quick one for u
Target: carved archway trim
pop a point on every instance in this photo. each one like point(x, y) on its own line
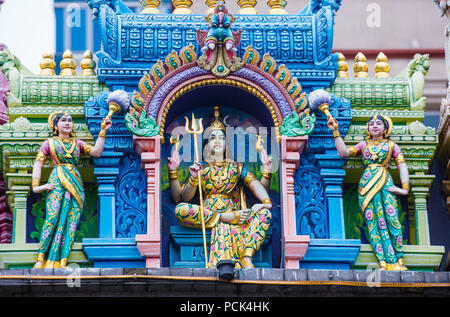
point(166, 82)
point(231, 80)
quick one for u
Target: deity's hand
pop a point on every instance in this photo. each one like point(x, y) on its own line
point(398, 190)
point(266, 160)
point(40, 189)
point(258, 207)
point(243, 215)
point(174, 161)
point(106, 124)
point(332, 124)
point(195, 168)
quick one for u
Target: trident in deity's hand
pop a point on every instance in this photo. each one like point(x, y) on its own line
point(175, 141)
point(195, 131)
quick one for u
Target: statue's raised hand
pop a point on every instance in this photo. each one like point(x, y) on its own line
point(195, 168)
point(266, 160)
point(174, 161)
point(332, 124)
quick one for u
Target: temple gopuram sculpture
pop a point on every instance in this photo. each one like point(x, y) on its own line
point(443, 154)
point(264, 184)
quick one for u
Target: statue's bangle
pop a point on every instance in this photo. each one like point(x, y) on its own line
point(405, 186)
point(193, 181)
point(267, 201)
point(173, 175)
point(102, 133)
point(266, 174)
point(336, 133)
point(35, 182)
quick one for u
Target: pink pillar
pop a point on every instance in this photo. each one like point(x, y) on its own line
point(295, 246)
point(149, 245)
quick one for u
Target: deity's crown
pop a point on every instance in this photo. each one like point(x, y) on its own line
point(52, 116)
point(217, 124)
point(388, 131)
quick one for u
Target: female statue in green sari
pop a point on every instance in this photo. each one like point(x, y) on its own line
point(65, 199)
point(376, 192)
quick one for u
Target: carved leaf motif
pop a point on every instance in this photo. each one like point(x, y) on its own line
point(309, 200)
point(21, 124)
point(295, 125)
point(131, 215)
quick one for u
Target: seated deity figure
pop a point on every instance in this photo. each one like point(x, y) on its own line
point(237, 232)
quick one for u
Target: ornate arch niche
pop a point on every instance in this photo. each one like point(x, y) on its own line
point(170, 88)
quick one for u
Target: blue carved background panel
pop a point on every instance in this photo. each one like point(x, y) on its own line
point(310, 206)
point(131, 205)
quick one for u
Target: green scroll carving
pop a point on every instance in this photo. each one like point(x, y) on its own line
point(297, 125)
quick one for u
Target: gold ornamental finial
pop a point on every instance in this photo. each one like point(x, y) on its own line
point(361, 66)
point(67, 64)
point(150, 6)
point(182, 6)
point(247, 6)
point(217, 124)
point(277, 6)
point(382, 67)
point(47, 65)
point(342, 66)
point(88, 64)
point(211, 5)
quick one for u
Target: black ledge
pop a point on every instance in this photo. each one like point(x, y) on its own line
point(191, 282)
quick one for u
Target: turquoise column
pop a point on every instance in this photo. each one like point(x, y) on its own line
point(334, 252)
point(109, 250)
point(332, 175)
point(106, 172)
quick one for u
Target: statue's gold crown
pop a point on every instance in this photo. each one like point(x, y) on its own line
point(217, 124)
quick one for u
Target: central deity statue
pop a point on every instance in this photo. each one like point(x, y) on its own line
point(237, 232)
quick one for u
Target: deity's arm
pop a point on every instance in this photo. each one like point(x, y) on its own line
point(37, 170)
point(260, 192)
point(97, 149)
point(176, 189)
point(188, 192)
point(404, 174)
point(402, 166)
point(267, 170)
point(41, 157)
point(342, 149)
point(265, 182)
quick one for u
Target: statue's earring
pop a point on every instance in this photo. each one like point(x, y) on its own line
point(367, 132)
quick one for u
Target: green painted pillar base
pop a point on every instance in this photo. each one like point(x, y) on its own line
point(416, 257)
point(23, 256)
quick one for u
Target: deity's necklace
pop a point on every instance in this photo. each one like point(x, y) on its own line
point(372, 148)
point(218, 177)
point(72, 148)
